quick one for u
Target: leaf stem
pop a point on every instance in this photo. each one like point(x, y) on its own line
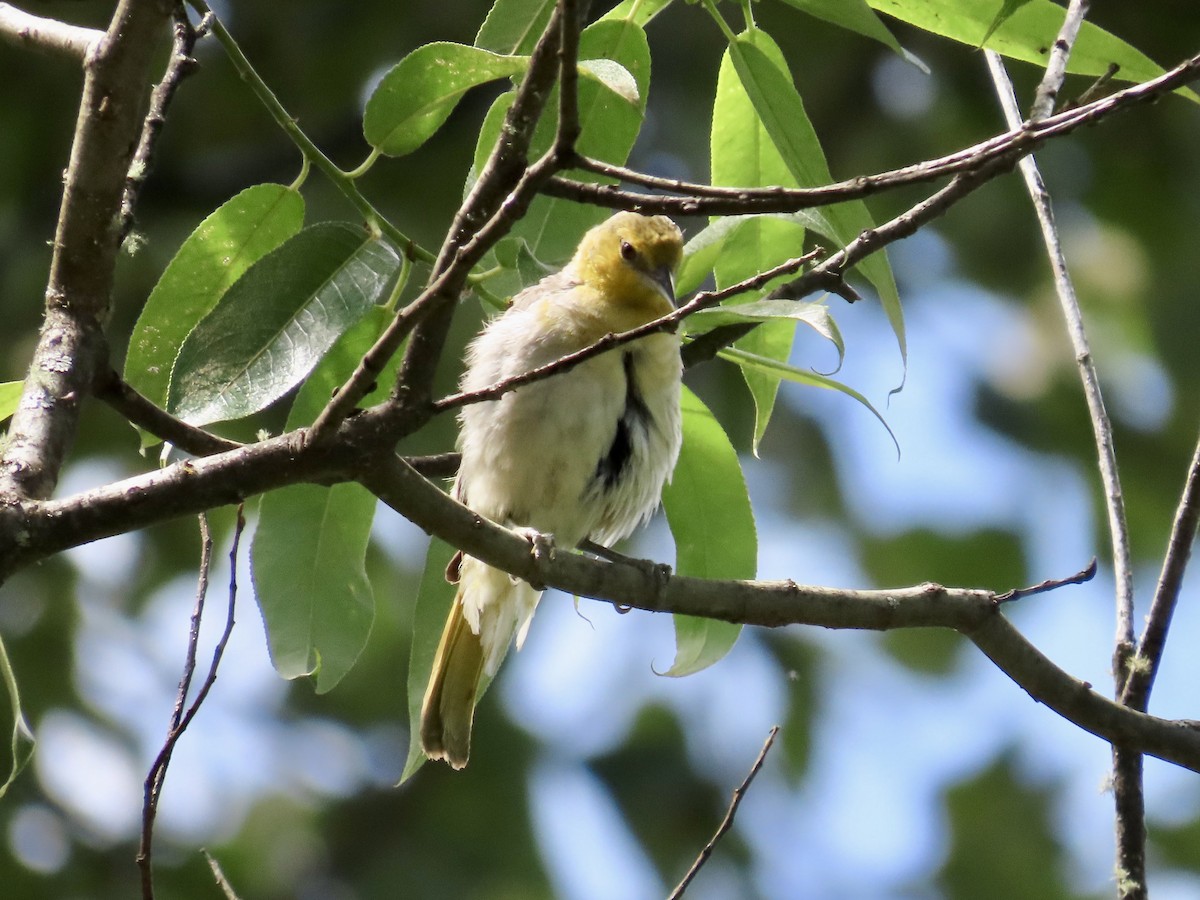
point(344, 181)
point(711, 6)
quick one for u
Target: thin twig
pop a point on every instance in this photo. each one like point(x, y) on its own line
point(702, 199)
point(1083, 576)
point(727, 822)
point(1127, 762)
point(1101, 424)
point(181, 719)
point(1144, 665)
point(47, 35)
point(179, 67)
point(1056, 69)
point(702, 300)
point(152, 787)
point(138, 410)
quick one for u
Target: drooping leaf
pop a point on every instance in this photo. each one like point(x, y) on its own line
point(856, 16)
point(434, 597)
point(10, 396)
point(309, 578)
point(814, 314)
point(1026, 34)
point(763, 73)
point(791, 373)
point(744, 155)
point(215, 255)
point(709, 512)
point(310, 545)
point(269, 331)
point(419, 93)
point(514, 26)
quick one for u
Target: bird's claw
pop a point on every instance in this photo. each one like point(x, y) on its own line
point(542, 549)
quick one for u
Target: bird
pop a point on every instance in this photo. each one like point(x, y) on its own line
point(581, 454)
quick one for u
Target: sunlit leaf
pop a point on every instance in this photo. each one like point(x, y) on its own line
point(419, 93)
point(814, 314)
point(764, 75)
point(1026, 34)
point(857, 16)
point(309, 549)
point(215, 255)
point(514, 26)
point(639, 12)
point(273, 326)
point(10, 396)
point(613, 76)
point(709, 512)
point(1009, 7)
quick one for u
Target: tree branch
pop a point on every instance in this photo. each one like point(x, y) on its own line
point(121, 396)
point(1056, 68)
point(24, 29)
point(1144, 665)
point(701, 199)
point(702, 300)
point(973, 613)
point(85, 249)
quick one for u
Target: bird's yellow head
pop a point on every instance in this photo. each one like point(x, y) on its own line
point(630, 260)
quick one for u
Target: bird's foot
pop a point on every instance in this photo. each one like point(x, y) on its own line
point(542, 549)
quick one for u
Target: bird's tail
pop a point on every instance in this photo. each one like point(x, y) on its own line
point(488, 610)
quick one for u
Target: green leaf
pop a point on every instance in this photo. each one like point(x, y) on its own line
point(744, 155)
point(709, 512)
point(514, 26)
point(434, 597)
point(419, 93)
point(763, 74)
point(10, 396)
point(274, 325)
point(701, 253)
point(1026, 34)
point(310, 581)
point(639, 12)
point(309, 550)
point(856, 16)
point(1006, 11)
point(814, 314)
point(758, 244)
point(791, 373)
point(22, 741)
point(215, 255)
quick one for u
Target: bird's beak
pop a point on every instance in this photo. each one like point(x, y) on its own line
point(665, 280)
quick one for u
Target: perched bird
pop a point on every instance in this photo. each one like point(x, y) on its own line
point(581, 454)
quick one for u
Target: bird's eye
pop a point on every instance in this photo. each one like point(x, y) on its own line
point(628, 251)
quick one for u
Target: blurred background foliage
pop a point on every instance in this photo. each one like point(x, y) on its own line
point(906, 766)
